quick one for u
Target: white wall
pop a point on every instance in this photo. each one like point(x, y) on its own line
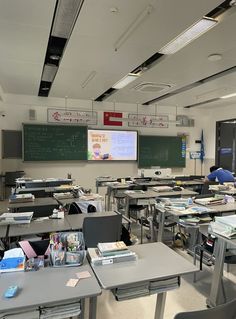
point(17, 112)
point(209, 118)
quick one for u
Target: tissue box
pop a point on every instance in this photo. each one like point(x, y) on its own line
point(12, 264)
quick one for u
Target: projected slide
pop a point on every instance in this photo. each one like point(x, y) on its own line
point(112, 145)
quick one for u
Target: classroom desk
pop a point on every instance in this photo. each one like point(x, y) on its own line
point(43, 182)
point(146, 183)
point(222, 243)
point(39, 227)
point(76, 221)
point(145, 198)
point(214, 209)
point(155, 262)
point(102, 181)
point(193, 182)
point(148, 197)
point(227, 192)
point(47, 287)
point(183, 193)
point(3, 231)
point(44, 201)
point(47, 190)
point(112, 189)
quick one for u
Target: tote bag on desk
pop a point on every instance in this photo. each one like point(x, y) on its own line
point(67, 249)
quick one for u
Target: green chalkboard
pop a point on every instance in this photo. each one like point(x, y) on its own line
point(42, 142)
point(163, 151)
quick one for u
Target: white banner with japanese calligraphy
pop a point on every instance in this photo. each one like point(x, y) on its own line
point(148, 120)
point(71, 116)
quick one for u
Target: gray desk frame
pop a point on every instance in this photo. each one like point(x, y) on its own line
point(102, 182)
point(60, 181)
point(39, 227)
point(47, 287)
point(221, 244)
point(155, 261)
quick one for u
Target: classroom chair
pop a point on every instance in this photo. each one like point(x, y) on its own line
point(10, 180)
point(101, 229)
point(225, 311)
point(205, 188)
point(207, 247)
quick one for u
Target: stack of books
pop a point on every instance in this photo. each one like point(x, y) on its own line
point(210, 201)
point(16, 218)
point(162, 188)
point(224, 226)
point(63, 195)
point(109, 253)
point(21, 198)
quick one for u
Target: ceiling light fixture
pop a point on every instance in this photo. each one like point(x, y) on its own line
point(214, 57)
point(54, 57)
point(49, 72)
point(65, 18)
point(125, 81)
point(188, 35)
point(228, 96)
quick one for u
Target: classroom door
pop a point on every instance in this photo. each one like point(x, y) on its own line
point(226, 145)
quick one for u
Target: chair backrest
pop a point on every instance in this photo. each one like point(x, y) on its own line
point(101, 229)
point(138, 187)
point(225, 311)
point(205, 188)
point(74, 209)
point(10, 177)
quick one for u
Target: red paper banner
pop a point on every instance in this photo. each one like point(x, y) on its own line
point(107, 121)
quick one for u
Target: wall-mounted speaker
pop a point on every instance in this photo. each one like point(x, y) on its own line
point(32, 114)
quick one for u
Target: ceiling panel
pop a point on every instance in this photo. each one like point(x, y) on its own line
point(92, 44)
point(23, 77)
point(24, 31)
point(189, 64)
point(25, 27)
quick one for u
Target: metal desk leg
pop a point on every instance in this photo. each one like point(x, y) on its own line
point(215, 297)
point(127, 207)
point(109, 198)
point(161, 219)
point(160, 305)
point(92, 307)
point(82, 305)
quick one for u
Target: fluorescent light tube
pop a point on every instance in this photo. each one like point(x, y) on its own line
point(188, 35)
point(228, 96)
point(125, 81)
point(49, 72)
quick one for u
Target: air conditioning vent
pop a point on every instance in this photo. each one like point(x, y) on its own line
point(151, 87)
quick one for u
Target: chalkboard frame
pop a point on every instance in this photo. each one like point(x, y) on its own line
point(18, 151)
point(52, 125)
point(183, 150)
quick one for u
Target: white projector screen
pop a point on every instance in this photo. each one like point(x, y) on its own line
point(112, 145)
